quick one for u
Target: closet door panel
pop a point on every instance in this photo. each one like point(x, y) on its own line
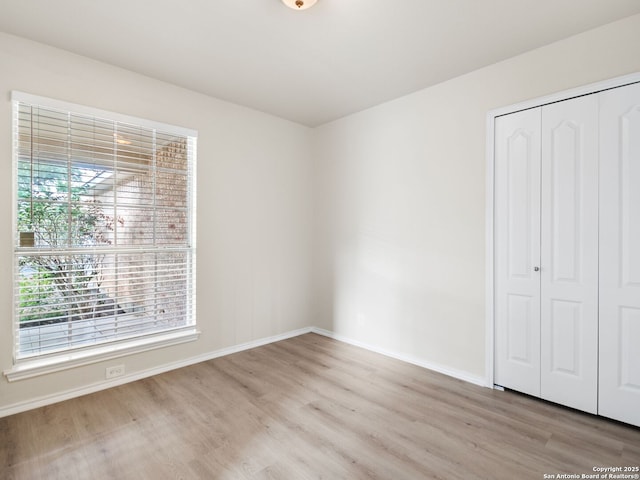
point(619, 392)
point(569, 253)
point(517, 254)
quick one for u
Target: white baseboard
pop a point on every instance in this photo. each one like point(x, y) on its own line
point(103, 385)
point(451, 372)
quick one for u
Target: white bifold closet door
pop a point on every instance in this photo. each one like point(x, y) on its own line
point(620, 254)
point(546, 252)
point(517, 251)
point(569, 254)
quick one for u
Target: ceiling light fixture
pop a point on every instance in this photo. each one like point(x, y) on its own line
point(299, 4)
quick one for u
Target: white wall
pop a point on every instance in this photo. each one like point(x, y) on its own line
point(253, 207)
point(400, 262)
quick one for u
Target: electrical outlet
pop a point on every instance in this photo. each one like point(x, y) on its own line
point(115, 371)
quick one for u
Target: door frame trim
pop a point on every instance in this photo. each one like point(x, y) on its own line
point(490, 195)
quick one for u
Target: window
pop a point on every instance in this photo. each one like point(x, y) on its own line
point(104, 229)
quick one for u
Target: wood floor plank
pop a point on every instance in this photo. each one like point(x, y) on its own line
point(308, 408)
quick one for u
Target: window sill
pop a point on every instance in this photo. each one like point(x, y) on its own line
point(30, 368)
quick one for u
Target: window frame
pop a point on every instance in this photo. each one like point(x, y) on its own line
point(44, 363)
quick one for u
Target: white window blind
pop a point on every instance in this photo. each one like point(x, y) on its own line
point(104, 228)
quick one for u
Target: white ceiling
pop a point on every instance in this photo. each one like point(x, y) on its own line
point(313, 66)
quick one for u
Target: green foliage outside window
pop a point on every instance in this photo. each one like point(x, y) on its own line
point(56, 202)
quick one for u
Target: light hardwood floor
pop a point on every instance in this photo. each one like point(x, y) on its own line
point(304, 408)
